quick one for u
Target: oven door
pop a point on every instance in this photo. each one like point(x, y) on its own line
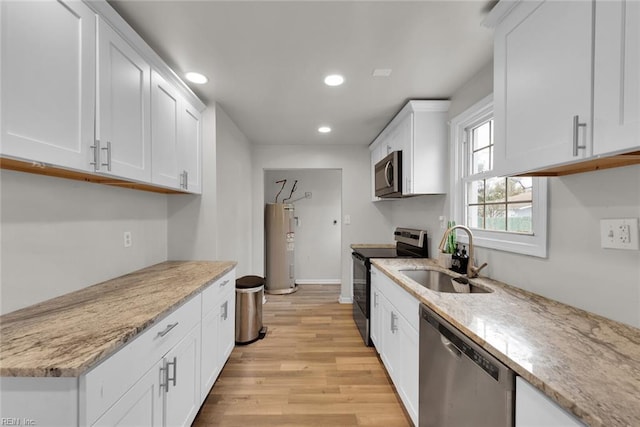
point(361, 295)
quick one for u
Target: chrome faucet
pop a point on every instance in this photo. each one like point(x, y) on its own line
point(472, 271)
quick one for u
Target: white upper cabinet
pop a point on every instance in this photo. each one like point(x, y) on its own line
point(165, 113)
point(190, 148)
point(48, 81)
point(419, 130)
point(566, 85)
point(176, 138)
point(542, 85)
point(123, 143)
point(77, 93)
point(617, 77)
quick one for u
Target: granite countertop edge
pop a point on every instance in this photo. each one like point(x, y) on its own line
point(552, 345)
point(20, 335)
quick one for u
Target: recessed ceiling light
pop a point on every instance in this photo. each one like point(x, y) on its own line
point(334, 80)
point(324, 129)
point(381, 72)
point(196, 78)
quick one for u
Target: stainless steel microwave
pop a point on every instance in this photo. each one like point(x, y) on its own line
point(388, 175)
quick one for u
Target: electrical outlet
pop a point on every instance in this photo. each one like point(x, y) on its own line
point(127, 239)
point(619, 233)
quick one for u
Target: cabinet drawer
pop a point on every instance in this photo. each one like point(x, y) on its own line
point(108, 381)
point(219, 288)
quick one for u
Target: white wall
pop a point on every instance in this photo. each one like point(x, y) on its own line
point(234, 202)
point(60, 235)
point(577, 271)
point(192, 219)
point(368, 223)
point(317, 239)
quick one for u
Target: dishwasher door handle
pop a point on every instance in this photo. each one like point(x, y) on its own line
point(450, 346)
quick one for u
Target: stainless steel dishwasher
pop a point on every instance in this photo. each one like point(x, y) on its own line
point(461, 384)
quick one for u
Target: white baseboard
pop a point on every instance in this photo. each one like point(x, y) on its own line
point(345, 300)
point(318, 282)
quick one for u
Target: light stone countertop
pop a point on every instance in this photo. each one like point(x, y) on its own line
point(586, 363)
point(68, 335)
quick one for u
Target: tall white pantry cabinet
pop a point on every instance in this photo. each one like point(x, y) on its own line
point(76, 86)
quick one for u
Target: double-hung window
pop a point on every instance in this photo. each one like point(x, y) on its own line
point(505, 213)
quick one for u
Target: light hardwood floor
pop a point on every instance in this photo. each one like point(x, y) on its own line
point(312, 369)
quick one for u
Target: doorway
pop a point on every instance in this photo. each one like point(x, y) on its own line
point(317, 199)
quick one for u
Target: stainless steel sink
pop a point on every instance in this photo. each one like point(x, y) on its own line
point(442, 282)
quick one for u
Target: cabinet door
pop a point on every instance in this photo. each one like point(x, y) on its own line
point(190, 148)
point(210, 365)
point(182, 398)
point(375, 318)
point(48, 81)
point(542, 81)
point(391, 350)
point(123, 116)
point(408, 384)
point(141, 405)
point(226, 328)
point(616, 126)
point(534, 409)
point(165, 110)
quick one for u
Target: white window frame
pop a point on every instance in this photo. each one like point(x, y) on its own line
point(528, 244)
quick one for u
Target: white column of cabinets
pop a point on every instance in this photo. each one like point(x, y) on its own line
point(394, 331)
point(48, 69)
point(549, 77)
point(60, 109)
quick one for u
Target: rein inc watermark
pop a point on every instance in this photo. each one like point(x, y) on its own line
point(8, 421)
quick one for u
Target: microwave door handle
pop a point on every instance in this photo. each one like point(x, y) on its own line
point(386, 173)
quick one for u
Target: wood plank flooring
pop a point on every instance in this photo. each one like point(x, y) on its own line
point(312, 369)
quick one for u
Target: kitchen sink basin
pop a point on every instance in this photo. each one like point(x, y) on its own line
point(442, 282)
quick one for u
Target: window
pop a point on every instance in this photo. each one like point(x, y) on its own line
point(505, 213)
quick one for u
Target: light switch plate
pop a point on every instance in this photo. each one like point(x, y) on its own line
point(621, 233)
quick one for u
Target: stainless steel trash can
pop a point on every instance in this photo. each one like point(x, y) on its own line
point(249, 294)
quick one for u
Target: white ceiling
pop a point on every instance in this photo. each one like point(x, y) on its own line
point(266, 60)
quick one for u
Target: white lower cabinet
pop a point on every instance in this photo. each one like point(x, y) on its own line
point(218, 329)
point(167, 395)
point(182, 381)
point(394, 324)
point(141, 405)
point(159, 378)
point(534, 409)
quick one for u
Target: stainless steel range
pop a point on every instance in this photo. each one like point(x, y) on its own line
point(410, 243)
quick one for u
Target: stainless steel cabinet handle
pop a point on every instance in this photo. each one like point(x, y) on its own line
point(576, 131)
point(96, 155)
point(108, 150)
point(375, 299)
point(394, 327)
point(223, 284)
point(186, 180)
point(167, 329)
point(175, 372)
point(224, 310)
point(164, 378)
